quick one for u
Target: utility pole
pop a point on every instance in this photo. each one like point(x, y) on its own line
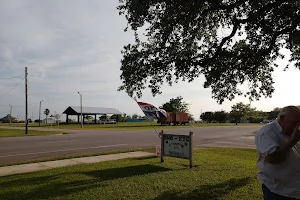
point(40, 113)
point(26, 102)
point(81, 109)
point(10, 115)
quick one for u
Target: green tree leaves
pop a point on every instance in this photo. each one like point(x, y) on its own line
point(176, 105)
point(207, 117)
point(182, 42)
point(241, 112)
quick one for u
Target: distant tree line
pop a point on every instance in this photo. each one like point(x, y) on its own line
point(239, 113)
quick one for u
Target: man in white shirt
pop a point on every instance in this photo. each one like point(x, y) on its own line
point(278, 156)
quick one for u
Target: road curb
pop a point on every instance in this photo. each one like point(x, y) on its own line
point(33, 167)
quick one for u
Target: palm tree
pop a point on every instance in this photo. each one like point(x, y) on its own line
point(89, 118)
point(47, 112)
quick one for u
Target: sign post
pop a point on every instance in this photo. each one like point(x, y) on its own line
point(57, 117)
point(162, 146)
point(179, 146)
point(52, 117)
point(191, 148)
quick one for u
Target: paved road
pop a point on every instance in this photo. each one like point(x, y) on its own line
point(20, 149)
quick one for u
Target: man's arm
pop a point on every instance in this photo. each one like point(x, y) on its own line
point(279, 154)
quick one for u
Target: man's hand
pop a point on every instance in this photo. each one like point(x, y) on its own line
point(295, 137)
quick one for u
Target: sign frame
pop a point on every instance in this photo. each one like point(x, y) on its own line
point(162, 146)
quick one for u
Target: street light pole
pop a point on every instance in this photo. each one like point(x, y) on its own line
point(40, 113)
point(81, 109)
point(10, 115)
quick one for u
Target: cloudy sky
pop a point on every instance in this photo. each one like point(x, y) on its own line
point(74, 45)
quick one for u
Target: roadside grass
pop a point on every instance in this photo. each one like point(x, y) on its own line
point(127, 126)
point(17, 132)
point(149, 149)
point(219, 173)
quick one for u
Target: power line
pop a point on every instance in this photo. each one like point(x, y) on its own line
point(28, 104)
point(9, 78)
point(33, 103)
point(11, 89)
point(20, 105)
point(78, 65)
point(12, 78)
point(5, 86)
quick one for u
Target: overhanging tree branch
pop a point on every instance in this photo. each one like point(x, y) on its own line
point(183, 43)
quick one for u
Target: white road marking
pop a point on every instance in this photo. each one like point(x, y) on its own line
point(63, 150)
point(229, 146)
point(226, 142)
point(150, 144)
point(222, 143)
point(249, 137)
point(58, 142)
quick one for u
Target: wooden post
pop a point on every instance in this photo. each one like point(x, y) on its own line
point(162, 146)
point(40, 113)
point(26, 101)
point(10, 115)
point(191, 149)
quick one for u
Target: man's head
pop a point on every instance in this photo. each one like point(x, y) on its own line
point(289, 118)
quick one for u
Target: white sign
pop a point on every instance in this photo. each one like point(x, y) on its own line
point(177, 146)
point(57, 116)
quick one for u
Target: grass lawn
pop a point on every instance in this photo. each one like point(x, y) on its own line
point(15, 132)
point(127, 126)
point(220, 173)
